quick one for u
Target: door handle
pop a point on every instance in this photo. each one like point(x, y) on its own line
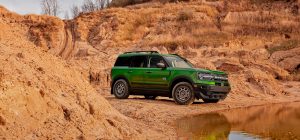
point(148, 72)
point(130, 71)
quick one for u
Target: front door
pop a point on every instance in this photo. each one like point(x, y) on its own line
point(156, 78)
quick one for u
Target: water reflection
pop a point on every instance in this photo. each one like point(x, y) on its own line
point(280, 121)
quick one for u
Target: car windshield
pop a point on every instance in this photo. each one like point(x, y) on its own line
point(177, 62)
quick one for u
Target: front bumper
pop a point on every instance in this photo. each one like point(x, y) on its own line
point(211, 92)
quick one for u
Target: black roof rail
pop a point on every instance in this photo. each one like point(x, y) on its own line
point(142, 52)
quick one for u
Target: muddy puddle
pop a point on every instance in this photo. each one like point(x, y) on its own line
point(279, 121)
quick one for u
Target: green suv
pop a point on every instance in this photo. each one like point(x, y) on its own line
point(152, 74)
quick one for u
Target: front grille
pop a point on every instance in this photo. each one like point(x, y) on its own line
point(220, 78)
point(221, 84)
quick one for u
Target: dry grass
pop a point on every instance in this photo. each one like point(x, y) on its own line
point(196, 24)
point(258, 2)
point(209, 10)
point(261, 23)
point(174, 41)
point(285, 45)
point(190, 40)
point(136, 29)
point(185, 15)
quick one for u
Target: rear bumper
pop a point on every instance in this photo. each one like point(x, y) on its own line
point(212, 92)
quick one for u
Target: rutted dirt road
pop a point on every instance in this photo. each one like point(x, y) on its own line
point(161, 114)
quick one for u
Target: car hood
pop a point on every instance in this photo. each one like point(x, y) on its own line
point(209, 71)
point(202, 70)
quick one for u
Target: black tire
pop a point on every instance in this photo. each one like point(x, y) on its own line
point(150, 97)
point(183, 93)
point(211, 100)
point(121, 89)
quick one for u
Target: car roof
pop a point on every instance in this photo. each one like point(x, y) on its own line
point(143, 54)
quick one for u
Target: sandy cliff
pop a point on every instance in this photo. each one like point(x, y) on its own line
point(44, 97)
point(256, 42)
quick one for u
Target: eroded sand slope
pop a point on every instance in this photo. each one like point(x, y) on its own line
point(44, 97)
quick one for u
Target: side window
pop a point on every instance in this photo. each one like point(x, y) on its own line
point(139, 62)
point(123, 61)
point(154, 60)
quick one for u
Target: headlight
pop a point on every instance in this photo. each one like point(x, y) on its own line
point(221, 77)
point(205, 76)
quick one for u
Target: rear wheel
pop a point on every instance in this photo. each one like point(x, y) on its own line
point(121, 89)
point(183, 93)
point(150, 97)
point(211, 100)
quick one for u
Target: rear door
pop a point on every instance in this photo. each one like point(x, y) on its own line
point(156, 78)
point(137, 71)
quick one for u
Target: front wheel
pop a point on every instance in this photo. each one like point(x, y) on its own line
point(183, 93)
point(121, 89)
point(211, 100)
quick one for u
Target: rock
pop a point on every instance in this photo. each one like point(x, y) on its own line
point(229, 67)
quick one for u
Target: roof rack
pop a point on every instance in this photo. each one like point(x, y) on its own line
point(142, 52)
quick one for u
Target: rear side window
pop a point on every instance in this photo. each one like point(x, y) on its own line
point(123, 61)
point(139, 62)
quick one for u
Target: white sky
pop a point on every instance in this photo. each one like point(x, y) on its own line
point(34, 6)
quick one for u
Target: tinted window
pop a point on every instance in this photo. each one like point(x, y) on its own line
point(154, 60)
point(139, 62)
point(123, 61)
point(177, 62)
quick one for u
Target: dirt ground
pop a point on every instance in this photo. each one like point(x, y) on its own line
point(161, 114)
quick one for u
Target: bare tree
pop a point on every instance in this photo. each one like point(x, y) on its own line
point(75, 11)
point(107, 3)
point(50, 7)
point(100, 4)
point(88, 6)
point(67, 15)
point(93, 5)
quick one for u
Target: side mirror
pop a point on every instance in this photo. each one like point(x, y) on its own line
point(161, 65)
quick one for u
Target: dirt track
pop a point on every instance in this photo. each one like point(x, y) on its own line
point(160, 114)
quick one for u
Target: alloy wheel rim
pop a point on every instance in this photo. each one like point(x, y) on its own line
point(183, 93)
point(120, 88)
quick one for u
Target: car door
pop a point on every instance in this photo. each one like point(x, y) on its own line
point(137, 71)
point(156, 78)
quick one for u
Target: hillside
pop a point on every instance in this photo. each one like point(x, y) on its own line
point(43, 97)
point(53, 70)
point(251, 40)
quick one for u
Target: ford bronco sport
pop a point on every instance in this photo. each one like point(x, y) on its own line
point(152, 74)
